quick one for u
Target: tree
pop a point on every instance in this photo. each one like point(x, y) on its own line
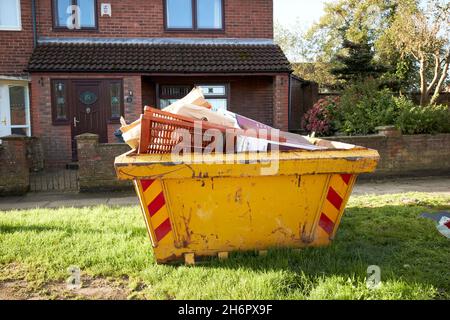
point(357, 63)
point(424, 35)
point(301, 53)
point(358, 25)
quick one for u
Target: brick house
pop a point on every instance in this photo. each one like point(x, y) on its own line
point(73, 66)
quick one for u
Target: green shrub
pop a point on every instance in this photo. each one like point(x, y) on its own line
point(413, 119)
point(364, 107)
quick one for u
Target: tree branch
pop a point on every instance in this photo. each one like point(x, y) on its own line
point(437, 91)
point(437, 69)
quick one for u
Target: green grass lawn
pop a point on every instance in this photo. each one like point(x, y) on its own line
point(111, 245)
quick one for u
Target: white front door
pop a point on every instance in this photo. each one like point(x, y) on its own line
point(14, 109)
point(5, 114)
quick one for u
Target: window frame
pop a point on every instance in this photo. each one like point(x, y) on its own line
point(194, 28)
point(55, 120)
point(109, 118)
point(227, 95)
point(19, 20)
point(27, 125)
point(58, 28)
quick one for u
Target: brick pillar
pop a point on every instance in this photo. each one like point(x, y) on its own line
point(14, 169)
point(281, 102)
point(87, 156)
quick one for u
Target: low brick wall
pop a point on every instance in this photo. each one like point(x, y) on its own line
point(14, 168)
point(96, 164)
point(407, 155)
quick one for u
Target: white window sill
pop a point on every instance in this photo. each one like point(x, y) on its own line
point(3, 28)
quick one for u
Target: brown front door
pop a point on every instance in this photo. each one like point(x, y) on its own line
point(88, 110)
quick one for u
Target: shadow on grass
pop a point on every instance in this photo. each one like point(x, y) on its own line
point(405, 246)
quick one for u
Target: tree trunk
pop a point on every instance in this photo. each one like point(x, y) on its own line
point(437, 90)
point(423, 84)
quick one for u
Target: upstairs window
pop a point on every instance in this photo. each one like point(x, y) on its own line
point(199, 15)
point(75, 14)
point(10, 15)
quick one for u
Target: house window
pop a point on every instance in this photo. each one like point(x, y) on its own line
point(115, 100)
point(10, 15)
point(209, 14)
point(179, 14)
point(75, 14)
point(60, 110)
point(194, 14)
point(171, 94)
point(217, 95)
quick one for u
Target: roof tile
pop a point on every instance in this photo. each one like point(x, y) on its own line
point(186, 58)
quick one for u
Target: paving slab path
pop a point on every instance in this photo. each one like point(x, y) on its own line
point(57, 200)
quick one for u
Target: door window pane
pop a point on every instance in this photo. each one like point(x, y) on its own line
point(114, 92)
point(209, 14)
point(17, 102)
point(9, 14)
point(179, 14)
point(60, 101)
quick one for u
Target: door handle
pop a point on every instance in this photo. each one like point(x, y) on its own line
point(75, 121)
point(4, 121)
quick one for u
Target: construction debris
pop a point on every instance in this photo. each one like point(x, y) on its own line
point(158, 131)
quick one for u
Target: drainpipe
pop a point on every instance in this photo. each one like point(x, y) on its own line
point(289, 102)
point(33, 15)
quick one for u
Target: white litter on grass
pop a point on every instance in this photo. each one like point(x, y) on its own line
point(444, 227)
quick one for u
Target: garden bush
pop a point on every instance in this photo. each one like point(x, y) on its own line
point(321, 117)
point(413, 119)
point(364, 107)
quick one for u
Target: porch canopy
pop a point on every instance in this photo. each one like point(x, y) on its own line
point(169, 56)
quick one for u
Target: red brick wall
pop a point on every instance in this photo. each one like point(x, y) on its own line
point(56, 139)
point(250, 96)
point(96, 164)
point(16, 46)
point(281, 102)
point(406, 155)
point(253, 97)
point(144, 18)
point(14, 171)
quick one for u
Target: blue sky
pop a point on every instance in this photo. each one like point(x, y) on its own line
point(286, 12)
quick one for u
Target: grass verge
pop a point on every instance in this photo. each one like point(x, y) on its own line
point(110, 246)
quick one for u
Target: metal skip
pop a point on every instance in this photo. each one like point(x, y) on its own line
point(203, 208)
